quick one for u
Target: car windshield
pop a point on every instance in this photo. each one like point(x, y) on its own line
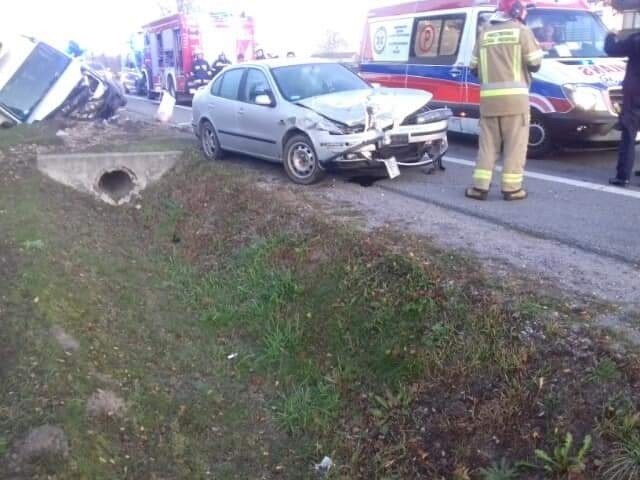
point(298, 82)
point(32, 81)
point(568, 34)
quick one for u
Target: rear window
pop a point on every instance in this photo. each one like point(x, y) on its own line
point(31, 82)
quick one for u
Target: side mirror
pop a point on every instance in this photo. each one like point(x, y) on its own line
point(264, 100)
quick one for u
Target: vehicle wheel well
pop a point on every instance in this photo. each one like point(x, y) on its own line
point(290, 134)
point(201, 122)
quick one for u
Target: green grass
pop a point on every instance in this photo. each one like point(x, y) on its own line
point(38, 134)
point(248, 339)
point(604, 371)
point(500, 471)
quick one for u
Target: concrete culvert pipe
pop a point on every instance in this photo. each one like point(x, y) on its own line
point(117, 184)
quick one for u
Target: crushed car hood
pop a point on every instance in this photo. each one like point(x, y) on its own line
point(389, 105)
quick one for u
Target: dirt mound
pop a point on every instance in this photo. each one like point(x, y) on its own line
point(46, 443)
point(105, 403)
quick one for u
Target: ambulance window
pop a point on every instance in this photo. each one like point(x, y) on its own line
point(436, 40)
point(483, 19)
point(450, 38)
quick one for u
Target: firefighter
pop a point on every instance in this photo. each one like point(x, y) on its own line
point(200, 68)
point(630, 115)
point(505, 55)
point(221, 62)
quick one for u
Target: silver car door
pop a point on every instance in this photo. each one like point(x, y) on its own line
point(258, 119)
point(223, 109)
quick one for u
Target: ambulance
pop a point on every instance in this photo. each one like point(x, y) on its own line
point(575, 97)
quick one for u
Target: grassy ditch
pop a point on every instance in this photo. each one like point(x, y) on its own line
point(250, 335)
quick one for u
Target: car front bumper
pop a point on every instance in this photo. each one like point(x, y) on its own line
point(408, 145)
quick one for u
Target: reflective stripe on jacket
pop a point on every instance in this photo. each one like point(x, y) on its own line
point(503, 55)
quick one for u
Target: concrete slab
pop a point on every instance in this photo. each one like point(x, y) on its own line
point(84, 171)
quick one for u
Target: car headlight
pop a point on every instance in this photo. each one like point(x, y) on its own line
point(587, 98)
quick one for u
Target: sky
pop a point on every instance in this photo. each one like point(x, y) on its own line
point(103, 27)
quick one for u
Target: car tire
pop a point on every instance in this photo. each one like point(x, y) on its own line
point(540, 143)
point(209, 142)
point(301, 162)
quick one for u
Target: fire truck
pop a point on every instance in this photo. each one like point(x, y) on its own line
point(170, 44)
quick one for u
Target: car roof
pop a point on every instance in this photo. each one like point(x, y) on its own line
point(282, 62)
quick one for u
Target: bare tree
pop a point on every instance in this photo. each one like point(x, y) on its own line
point(333, 42)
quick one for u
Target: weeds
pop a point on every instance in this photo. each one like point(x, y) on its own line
point(281, 338)
point(500, 471)
point(623, 463)
point(391, 408)
point(562, 460)
point(309, 408)
point(604, 371)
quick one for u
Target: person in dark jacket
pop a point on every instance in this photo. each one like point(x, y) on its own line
point(221, 62)
point(630, 115)
point(200, 67)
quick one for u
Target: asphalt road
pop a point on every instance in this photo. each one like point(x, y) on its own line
point(569, 204)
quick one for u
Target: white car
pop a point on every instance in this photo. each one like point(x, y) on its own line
point(314, 116)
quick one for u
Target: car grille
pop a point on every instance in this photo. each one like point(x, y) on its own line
point(615, 97)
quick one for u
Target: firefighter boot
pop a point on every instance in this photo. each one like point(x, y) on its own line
point(517, 195)
point(476, 193)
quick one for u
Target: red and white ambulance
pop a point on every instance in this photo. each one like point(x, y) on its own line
point(575, 97)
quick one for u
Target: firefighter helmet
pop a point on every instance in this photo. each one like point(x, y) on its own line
point(513, 8)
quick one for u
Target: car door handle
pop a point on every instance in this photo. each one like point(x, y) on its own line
point(241, 111)
point(455, 73)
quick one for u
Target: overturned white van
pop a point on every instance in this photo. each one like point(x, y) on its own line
point(38, 81)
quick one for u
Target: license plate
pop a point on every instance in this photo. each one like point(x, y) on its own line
point(392, 167)
point(399, 140)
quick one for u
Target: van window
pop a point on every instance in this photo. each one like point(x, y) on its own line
point(568, 33)
point(436, 40)
point(32, 81)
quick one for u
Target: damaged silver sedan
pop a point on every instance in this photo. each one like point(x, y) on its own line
point(38, 82)
point(315, 117)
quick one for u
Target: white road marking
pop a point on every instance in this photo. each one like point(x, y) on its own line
point(561, 180)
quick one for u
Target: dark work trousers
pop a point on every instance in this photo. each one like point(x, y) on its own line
point(627, 153)
point(629, 121)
